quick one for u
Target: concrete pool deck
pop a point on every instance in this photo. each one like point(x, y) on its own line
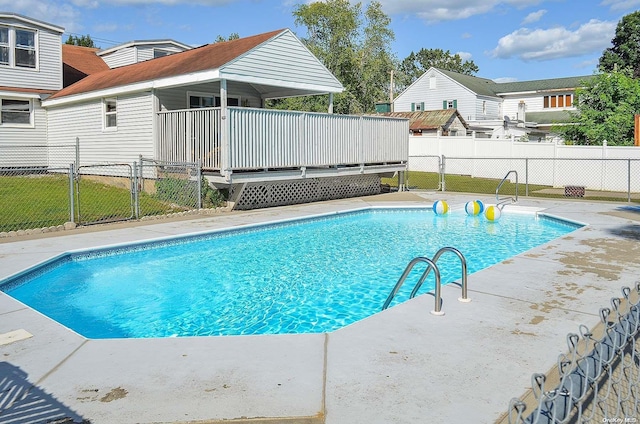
point(404, 365)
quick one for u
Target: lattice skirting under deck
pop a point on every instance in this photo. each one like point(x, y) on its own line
point(279, 193)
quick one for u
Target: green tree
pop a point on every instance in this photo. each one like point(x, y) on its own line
point(83, 40)
point(625, 52)
point(605, 109)
point(416, 64)
point(354, 45)
point(232, 36)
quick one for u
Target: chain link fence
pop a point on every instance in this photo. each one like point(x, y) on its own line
point(596, 179)
point(597, 380)
point(47, 195)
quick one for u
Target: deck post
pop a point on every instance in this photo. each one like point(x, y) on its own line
point(330, 103)
point(225, 156)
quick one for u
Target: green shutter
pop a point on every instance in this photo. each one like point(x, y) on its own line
point(413, 107)
point(455, 104)
point(444, 104)
point(422, 106)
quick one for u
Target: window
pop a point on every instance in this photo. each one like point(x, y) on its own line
point(15, 112)
point(417, 107)
point(18, 48)
point(558, 101)
point(160, 53)
point(449, 104)
point(4, 46)
point(110, 113)
point(197, 100)
point(25, 48)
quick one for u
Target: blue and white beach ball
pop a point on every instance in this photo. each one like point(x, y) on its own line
point(440, 207)
point(492, 213)
point(473, 208)
point(481, 205)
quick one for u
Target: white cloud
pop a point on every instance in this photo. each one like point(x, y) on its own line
point(53, 12)
point(505, 79)
point(447, 10)
point(534, 17)
point(621, 4)
point(556, 43)
point(464, 55)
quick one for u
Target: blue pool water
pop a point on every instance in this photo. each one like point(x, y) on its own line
point(304, 276)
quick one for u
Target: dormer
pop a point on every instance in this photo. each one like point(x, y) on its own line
point(30, 53)
point(140, 51)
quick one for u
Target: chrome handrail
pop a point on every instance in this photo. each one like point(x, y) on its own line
point(500, 202)
point(435, 258)
point(405, 274)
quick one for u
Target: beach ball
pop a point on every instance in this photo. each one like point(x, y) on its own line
point(472, 208)
point(481, 205)
point(492, 213)
point(440, 207)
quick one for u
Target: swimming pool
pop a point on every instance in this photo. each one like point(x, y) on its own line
point(300, 276)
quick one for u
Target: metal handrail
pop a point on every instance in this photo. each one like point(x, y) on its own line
point(435, 258)
point(500, 202)
point(405, 274)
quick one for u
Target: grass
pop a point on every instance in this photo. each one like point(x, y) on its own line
point(37, 201)
point(467, 184)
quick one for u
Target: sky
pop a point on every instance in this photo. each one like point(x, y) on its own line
point(509, 40)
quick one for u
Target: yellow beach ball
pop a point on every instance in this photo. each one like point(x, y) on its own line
point(472, 208)
point(492, 213)
point(440, 207)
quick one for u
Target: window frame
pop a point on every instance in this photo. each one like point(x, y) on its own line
point(12, 47)
point(30, 124)
point(558, 101)
point(217, 102)
point(106, 114)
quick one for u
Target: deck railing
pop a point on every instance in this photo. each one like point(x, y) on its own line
point(268, 139)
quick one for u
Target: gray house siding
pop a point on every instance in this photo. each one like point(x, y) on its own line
point(146, 52)
point(275, 61)
point(176, 98)
point(48, 72)
point(22, 141)
point(122, 57)
point(133, 136)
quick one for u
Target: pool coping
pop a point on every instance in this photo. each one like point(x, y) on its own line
point(403, 365)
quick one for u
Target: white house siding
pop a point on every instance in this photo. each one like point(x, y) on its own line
point(446, 89)
point(122, 57)
point(48, 73)
point(488, 108)
point(176, 98)
point(146, 52)
point(134, 135)
point(25, 146)
point(282, 59)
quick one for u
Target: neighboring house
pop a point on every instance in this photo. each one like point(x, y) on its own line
point(202, 104)
point(497, 110)
point(139, 51)
point(30, 71)
point(445, 122)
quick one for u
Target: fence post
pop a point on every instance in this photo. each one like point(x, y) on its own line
point(77, 166)
point(526, 177)
point(628, 180)
point(134, 189)
point(71, 200)
point(442, 171)
point(199, 172)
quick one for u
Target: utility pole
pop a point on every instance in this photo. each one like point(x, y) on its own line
point(391, 92)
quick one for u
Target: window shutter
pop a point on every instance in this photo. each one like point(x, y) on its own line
point(444, 104)
point(455, 104)
point(413, 107)
point(422, 106)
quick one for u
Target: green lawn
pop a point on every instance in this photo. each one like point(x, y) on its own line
point(37, 201)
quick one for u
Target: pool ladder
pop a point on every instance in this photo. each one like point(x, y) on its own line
point(501, 202)
point(432, 267)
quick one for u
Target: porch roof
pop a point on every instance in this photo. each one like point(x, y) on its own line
point(212, 62)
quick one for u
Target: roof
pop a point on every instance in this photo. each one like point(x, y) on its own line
point(143, 43)
point(83, 59)
point(550, 117)
point(487, 87)
point(26, 90)
point(207, 57)
point(429, 119)
point(42, 24)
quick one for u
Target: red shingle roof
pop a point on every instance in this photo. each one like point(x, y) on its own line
point(83, 59)
point(210, 56)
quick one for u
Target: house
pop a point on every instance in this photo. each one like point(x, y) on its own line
point(206, 105)
point(30, 71)
point(498, 110)
point(446, 122)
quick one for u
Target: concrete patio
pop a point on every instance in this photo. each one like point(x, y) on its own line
point(403, 365)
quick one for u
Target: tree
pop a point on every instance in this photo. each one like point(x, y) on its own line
point(625, 52)
point(354, 46)
point(416, 64)
point(605, 109)
point(83, 40)
point(232, 36)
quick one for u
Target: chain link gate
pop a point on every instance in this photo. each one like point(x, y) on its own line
point(424, 173)
point(104, 193)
